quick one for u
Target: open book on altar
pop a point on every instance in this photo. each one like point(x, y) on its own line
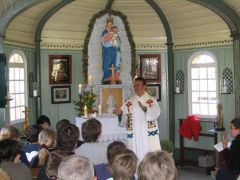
point(219, 146)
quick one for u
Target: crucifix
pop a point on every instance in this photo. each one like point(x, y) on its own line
point(26, 124)
point(113, 81)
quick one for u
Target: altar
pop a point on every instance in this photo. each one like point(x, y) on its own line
point(111, 130)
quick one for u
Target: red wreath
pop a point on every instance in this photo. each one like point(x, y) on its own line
point(149, 102)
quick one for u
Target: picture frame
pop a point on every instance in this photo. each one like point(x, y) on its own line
point(154, 90)
point(61, 94)
point(150, 67)
point(60, 69)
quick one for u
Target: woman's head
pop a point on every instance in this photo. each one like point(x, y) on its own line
point(157, 164)
point(235, 127)
point(9, 132)
point(9, 150)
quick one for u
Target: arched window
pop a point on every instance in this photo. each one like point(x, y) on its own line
point(17, 86)
point(202, 86)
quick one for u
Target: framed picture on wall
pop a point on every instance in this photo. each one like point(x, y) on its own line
point(61, 94)
point(60, 69)
point(154, 90)
point(150, 67)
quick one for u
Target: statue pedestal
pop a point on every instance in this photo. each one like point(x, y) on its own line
point(120, 93)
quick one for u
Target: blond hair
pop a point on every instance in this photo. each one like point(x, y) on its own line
point(123, 165)
point(9, 132)
point(4, 175)
point(47, 140)
point(157, 165)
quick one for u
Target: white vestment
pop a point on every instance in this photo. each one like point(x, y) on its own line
point(142, 127)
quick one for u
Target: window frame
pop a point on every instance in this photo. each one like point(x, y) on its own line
point(22, 54)
point(189, 68)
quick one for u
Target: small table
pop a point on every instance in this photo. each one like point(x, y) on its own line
point(111, 130)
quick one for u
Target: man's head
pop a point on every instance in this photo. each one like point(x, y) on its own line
point(43, 121)
point(139, 86)
point(235, 127)
point(76, 167)
point(67, 137)
point(157, 164)
point(113, 148)
point(91, 130)
point(123, 165)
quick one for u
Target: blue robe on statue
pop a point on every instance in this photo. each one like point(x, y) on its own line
point(109, 56)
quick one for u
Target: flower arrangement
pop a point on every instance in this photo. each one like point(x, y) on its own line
point(88, 99)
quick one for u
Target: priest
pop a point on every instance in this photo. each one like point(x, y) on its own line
point(142, 112)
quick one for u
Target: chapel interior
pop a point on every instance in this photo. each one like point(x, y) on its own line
point(193, 45)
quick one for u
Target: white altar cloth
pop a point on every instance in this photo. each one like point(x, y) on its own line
point(111, 131)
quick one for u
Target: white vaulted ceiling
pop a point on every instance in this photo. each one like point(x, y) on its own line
point(190, 23)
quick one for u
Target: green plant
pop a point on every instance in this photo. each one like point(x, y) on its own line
point(167, 145)
point(87, 98)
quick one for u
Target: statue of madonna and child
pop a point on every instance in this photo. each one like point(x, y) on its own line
point(111, 54)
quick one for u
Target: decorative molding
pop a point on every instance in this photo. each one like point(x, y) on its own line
point(61, 46)
point(19, 43)
point(151, 46)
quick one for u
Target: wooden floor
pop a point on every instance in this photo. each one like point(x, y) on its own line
point(193, 173)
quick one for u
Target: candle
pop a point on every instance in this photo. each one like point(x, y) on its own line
point(99, 110)
point(85, 111)
point(90, 80)
point(80, 88)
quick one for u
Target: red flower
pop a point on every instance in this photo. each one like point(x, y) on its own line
point(149, 102)
point(129, 104)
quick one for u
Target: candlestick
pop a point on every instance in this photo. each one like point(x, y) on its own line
point(80, 88)
point(90, 80)
point(99, 110)
point(85, 111)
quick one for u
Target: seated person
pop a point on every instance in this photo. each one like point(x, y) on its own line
point(10, 132)
point(232, 154)
point(67, 138)
point(76, 167)
point(102, 170)
point(33, 147)
point(123, 165)
point(47, 142)
point(10, 152)
point(43, 122)
point(92, 149)
point(157, 165)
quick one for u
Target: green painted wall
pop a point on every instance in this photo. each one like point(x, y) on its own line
point(30, 56)
point(57, 112)
point(224, 57)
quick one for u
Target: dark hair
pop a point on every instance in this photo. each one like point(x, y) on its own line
point(236, 123)
point(9, 149)
point(91, 129)
point(113, 148)
point(32, 133)
point(62, 123)
point(42, 119)
point(67, 137)
point(141, 79)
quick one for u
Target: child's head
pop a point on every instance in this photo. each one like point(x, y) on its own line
point(157, 164)
point(114, 29)
point(235, 127)
point(91, 130)
point(9, 150)
point(123, 165)
point(43, 121)
point(113, 148)
point(9, 132)
point(32, 134)
point(62, 123)
point(47, 138)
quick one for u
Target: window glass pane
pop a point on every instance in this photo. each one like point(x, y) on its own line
point(212, 85)
point(11, 87)
point(17, 89)
point(211, 73)
point(21, 73)
point(203, 97)
point(195, 96)
point(212, 109)
point(195, 73)
point(195, 85)
point(22, 99)
point(12, 114)
point(11, 73)
point(203, 85)
point(12, 102)
point(195, 109)
point(16, 74)
point(204, 109)
point(18, 112)
point(212, 97)
point(21, 86)
point(17, 99)
point(203, 73)
point(203, 59)
point(22, 113)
